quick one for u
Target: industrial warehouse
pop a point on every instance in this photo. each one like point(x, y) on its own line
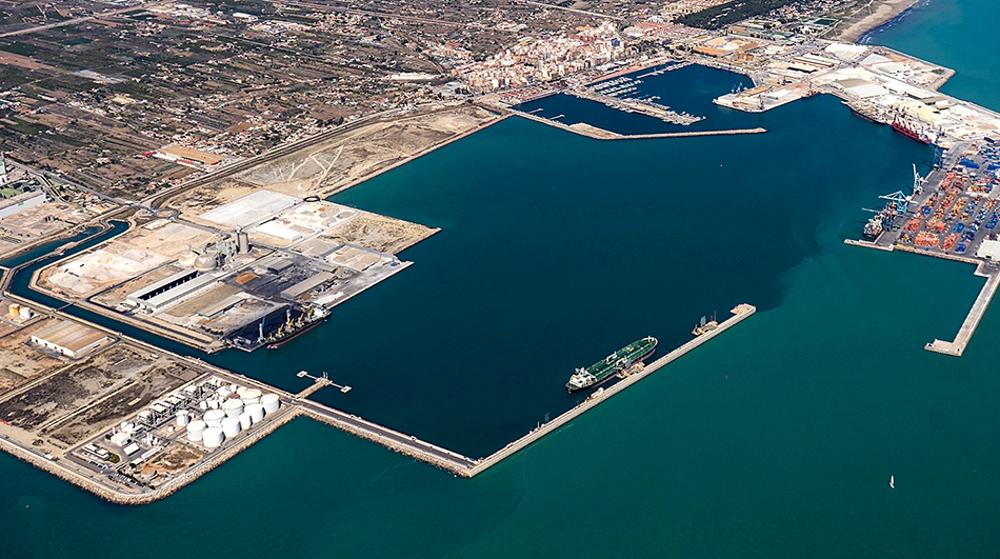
point(70, 339)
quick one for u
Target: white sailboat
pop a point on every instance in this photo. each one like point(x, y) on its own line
point(892, 482)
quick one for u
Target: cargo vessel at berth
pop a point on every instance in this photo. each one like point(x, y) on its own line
point(873, 228)
point(605, 369)
point(910, 133)
point(292, 329)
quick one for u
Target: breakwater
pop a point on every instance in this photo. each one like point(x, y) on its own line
point(596, 133)
point(740, 313)
point(957, 346)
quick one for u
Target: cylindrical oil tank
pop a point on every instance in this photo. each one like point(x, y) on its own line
point(251, 396)
point(213, 403)
point(182, 418)
point(245, 421)
point(231, 426)
point(196, 430)
point(270, 402)
point(24, 313)
point(224, 393)
point(213, 437)
point(233, 408)
point(13, 310)
point(256, 412)
point(213, 418)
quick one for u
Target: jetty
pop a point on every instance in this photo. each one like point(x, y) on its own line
point(739, 314)
point(957, 346)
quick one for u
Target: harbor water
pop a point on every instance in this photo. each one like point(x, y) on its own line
point(776, 439)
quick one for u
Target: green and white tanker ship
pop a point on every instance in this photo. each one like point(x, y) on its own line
point(606, 369)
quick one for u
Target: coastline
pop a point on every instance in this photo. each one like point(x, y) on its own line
point(876, 16)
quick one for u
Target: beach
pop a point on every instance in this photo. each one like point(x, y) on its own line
point(870, 17)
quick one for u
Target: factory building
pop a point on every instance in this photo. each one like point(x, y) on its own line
point(306, 285)
point(158, 296)
point(21, 202)
point(70, 339)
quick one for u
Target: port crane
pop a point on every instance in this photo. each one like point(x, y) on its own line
point(901, 200)
point(918, 181)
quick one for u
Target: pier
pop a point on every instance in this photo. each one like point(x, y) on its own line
point(956, 347)
point(664, 70)
point(319, 382)
point(740, 313)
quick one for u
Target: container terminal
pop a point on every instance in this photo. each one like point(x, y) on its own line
point(951, 213)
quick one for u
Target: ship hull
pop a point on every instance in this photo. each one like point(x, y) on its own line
point(279, 343)
point(902, 130)
point(864, 116)
point(610, 372)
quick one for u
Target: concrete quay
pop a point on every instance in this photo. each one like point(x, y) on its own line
point(389, 438)
point(868, 244)
point(956, 347)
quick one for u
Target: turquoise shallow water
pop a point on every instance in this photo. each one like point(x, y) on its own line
point(775, 440)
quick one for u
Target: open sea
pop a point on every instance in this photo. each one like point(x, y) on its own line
point(776, 439)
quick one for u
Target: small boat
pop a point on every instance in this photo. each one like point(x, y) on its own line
point(892, 482)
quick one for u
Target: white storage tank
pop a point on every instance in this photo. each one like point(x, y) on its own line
point(213, 437)
point(213, 403)
point(213, 418)
point(196, 430)
point(231, 426)
point(251, 396)
point(245, 421)
point(232, 408)
point(187, 258)
point(183, 418)
point(256, 412)
point(224, 393)
point(203, 405)
point(270, 402)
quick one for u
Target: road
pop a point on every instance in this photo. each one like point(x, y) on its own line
point(583, 12)
point(76, 21)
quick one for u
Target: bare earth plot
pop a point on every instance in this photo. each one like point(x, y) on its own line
point(133, 253)
point(340, 162)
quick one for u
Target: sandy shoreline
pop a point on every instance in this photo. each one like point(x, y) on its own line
point(876, 13)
